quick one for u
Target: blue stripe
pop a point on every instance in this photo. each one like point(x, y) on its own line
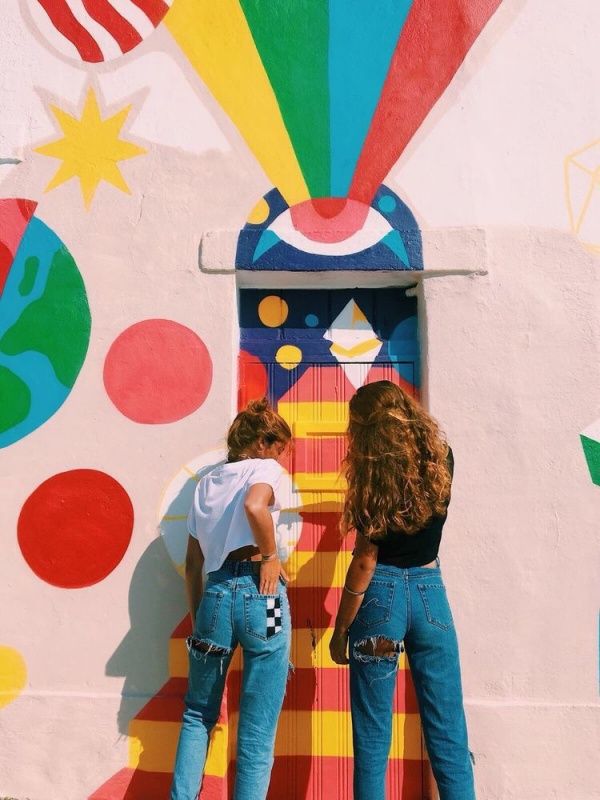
point(362, 40)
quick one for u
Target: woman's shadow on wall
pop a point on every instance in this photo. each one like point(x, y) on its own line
point(150, 695)
point(156, 606)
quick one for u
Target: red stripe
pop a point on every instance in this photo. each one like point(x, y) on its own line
point(153, 9)
point(434, 41)
point(63, 20)
point(130, 784)
point(301, 777)
point(318, 454)
point(6, 260)
point(167, 703)
point(320, 532)
point(119, 28)
point(313, 606)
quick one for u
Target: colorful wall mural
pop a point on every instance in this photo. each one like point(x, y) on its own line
point(324, 138)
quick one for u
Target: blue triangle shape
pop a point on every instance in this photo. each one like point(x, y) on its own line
point(393, 240)
point(267, 240)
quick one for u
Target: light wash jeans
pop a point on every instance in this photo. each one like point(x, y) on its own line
point(410, 606)
point(232, 612)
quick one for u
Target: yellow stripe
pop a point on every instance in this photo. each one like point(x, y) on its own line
point(310, 648)
point(329, 733)
point(152, 747)
point(357, 350)
point(322, 501)
point(307, 411)
point(319, 482)
point(312, 570)
point(314, 429)
point(218, 44)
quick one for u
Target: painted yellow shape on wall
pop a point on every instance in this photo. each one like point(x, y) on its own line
point(312, 570)
point(152, 747)
point(306, 411)
point(13, 674)
point(319, 481)
point(217, 42)
point(90, 148)
point(582, 194)
point(329, 733)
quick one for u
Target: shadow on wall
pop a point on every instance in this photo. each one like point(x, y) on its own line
point(156, 605)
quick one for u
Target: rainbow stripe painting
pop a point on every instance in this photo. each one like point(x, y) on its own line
point(327, 94)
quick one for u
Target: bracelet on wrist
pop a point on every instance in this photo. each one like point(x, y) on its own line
point(353, 593)
point(269, 557)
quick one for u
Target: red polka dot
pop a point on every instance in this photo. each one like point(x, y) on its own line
point(253, 379)
point(157, 371)
point(75, 527)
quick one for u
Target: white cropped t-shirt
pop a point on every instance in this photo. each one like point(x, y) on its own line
point(217, 517)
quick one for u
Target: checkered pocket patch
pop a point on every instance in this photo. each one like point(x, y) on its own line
point(273, 616)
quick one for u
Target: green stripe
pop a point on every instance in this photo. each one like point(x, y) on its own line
point(292, 39)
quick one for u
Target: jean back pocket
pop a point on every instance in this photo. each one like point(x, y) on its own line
point(435, 601)
point(263, 615)
point(207, 616)
point(376, 608)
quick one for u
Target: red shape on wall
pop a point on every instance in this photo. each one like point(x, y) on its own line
point(15, 214)
point(435, 39)
point(157, 371)
point(253, 379)
point(74, 529)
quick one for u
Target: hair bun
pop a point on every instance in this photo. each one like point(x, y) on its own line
point(258, 406)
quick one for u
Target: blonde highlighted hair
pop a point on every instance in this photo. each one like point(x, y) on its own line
point(257, 422)
point(396, 465)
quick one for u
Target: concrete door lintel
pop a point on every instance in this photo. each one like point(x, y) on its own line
point(458, 252)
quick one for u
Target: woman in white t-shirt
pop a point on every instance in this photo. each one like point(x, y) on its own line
point(232, 537)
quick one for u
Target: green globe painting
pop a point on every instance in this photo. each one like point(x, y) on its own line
point(44, 321)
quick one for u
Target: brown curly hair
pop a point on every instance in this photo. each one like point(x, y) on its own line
point(396, 466)
point(257, 421)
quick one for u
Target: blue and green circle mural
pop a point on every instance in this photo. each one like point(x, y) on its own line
point(44, 321)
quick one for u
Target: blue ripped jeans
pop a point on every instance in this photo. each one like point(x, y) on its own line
point(232, 612)
point(410, 606)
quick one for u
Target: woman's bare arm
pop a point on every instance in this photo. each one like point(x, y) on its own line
point(256, 505)
point(194, 561)
point(358, 578)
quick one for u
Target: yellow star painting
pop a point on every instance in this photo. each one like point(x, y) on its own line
point(90, 148)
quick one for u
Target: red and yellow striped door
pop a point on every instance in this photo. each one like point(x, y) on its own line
point(310, 351)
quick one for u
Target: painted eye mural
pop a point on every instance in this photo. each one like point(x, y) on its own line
point(44, 321)
point(337, 92)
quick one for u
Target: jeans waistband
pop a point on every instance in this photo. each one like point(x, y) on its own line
point(408, 572)
point(231, 569)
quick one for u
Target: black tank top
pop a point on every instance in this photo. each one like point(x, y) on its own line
point(415, 549)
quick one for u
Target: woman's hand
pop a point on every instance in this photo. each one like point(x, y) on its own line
point(269, 576)
point(338, 646)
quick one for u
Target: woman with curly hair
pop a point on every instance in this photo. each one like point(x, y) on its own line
point(399, 472)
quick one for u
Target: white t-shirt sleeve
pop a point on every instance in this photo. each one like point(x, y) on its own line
point(268, 471)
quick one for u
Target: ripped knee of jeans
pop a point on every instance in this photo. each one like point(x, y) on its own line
point(377, 648)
